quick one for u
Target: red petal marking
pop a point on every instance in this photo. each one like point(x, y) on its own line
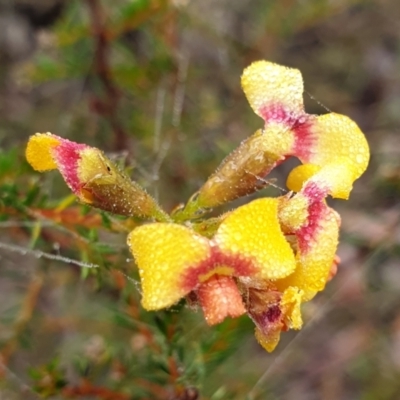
point(241, 266)
point(220, 298)
point(278, 113)
point(315, 191)
point(272, 314)
point(300, 124)
point(265, 310)
point(316, 209)
point(67, 155)
point(305, 140)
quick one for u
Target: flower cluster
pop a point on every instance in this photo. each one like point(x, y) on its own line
point(264, 258)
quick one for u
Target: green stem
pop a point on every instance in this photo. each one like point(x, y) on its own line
point(192, 210)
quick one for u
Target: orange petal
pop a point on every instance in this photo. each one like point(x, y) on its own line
point(253, 231)
point(220, 298)
point(163, 252)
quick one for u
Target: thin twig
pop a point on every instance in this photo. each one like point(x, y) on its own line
point(41, 254)
point(108, 104)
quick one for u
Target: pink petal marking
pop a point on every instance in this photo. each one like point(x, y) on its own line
point(278, 113)
point(67, 156)
point(300, 124)
point(316, 211)
point(305, 140)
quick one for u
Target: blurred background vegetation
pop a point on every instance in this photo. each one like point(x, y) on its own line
point(156, 85)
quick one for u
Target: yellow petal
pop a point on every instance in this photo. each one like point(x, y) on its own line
point(336, 178)
point(337, 140)
point(314, 262)
point(163, 252)
point(268, 340)
point(273, 89)
point(340, 137)
point(293, 217)
point(38, 152)
point(300, 174)
point(253, 231)
point(290, 306)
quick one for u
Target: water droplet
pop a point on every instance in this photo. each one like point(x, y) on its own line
point(302, 120)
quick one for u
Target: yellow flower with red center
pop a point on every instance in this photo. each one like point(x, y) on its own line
point(248, 253)
point(250, 265)
point(173, 260)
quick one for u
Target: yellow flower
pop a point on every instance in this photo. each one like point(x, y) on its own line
point(245, 267)
point(91, 176)
point(332, 143)
point(174, 260)
point(248, 247)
